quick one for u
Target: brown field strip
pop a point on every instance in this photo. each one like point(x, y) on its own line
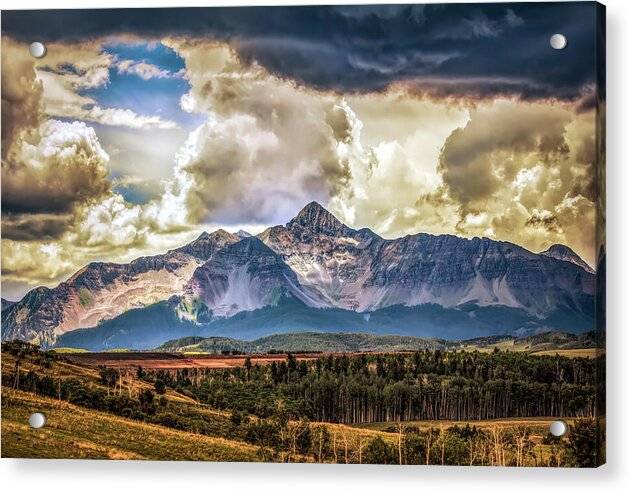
point(175, 361)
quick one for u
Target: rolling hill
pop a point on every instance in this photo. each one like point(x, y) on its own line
point(341, 342)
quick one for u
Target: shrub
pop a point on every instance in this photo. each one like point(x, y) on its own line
point(160, 387)
point(379, 452)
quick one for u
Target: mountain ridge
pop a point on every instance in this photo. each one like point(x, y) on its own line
point(147, 327)
point(6, 304)
point(326, 265)
point(103, 290)
point(355, 270)
point(565, 253)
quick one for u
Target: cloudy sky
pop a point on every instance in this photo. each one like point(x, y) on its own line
point(136, 132)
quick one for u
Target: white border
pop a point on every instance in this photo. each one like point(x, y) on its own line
point(109, 476)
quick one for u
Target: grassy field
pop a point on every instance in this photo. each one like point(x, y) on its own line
point(540, 424)
point(572, 353)
point(538, 428)
point(73, 432)
point(69, 350)
point(535, 351)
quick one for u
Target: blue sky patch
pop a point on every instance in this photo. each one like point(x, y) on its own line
point(156, 96)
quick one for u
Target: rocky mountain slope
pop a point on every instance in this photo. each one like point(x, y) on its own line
point(6, 304)
point(358, 270)
point(314, 273)
point(144, 328)
point(243, 277)
point(565, 253)
point(103, 290)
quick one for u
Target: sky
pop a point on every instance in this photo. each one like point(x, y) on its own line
point(136, 132)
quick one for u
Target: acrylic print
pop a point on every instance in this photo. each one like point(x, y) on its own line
point(326, 234)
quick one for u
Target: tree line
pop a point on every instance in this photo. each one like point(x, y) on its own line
point(424, 385)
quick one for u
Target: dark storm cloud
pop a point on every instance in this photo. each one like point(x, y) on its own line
point(549, 222)
point(488, 49)
point(34, 227)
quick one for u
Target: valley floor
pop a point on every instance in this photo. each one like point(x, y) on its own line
point(230, 414)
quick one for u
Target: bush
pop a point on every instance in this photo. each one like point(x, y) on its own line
point(263, 432)
point(379, 452)
point(169, 419)
point(145, 398)
point(581, 445)
point(160, 387)
point(108, 376)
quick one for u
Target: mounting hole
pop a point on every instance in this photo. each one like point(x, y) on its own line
point(37, 420)
point(558, 428)
point(37, 49)
point(558, 41)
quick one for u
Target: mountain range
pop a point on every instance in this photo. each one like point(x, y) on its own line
point(312, 274)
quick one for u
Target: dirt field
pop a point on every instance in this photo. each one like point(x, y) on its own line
point(174, 361)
